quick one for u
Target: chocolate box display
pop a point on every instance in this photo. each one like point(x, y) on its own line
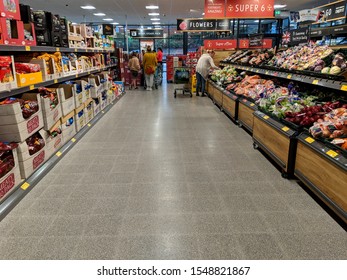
point(10, 9)
point(26, 13)
point(66, 94)
point(7, 73)
point(53, 138)
point(89, 110)
point(11, 32)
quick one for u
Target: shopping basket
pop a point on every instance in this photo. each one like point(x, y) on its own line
point(181, 76)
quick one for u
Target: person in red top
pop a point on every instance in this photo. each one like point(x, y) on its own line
point(160, 56)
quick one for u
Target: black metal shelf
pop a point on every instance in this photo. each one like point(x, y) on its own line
point(332, 84)
point(4, 48)
point(5, 94)
point(28, 184)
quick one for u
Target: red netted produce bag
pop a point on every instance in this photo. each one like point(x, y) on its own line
point(35, 143)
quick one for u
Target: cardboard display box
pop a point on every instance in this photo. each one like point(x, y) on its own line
point(80, 96)
point(53, 143)
point(13, 126)
point(28, 79)
point(97, 105)
point(10, 9)
point(11, 32)
point(89, 110)
point(11, 179)
point(95, 89)
point(8, 77)
point(80, 118)
point(67, 97)
point(68, 126)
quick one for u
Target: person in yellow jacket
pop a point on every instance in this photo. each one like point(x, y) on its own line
point(149, 66)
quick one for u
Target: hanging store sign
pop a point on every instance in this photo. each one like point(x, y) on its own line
point(107, 29)
point(250, 8)
point(220, 44)
point(147, 33)
point(191, 25)
point(295, 37)
point(331, 11)
point(244, 44)
point(327, 31)
point(308, 15)
point(214, 9)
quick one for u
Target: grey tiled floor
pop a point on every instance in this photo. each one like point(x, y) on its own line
point(159, 178)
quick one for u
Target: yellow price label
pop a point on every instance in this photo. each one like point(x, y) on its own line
point(32, 87)
point(58, 154)
point(344, 87)
point(332, 153)
point(27, 48)
point(315, 82)
point(75, 50)
point(55, 81)
point(285, 128)
point(266, 72)
point(57, 49)
point(88, 72)
point(103, 112)
point(76, 75)
point(252, 104)
point(257, 71)
point(289, 76)
point(310, 140)
point(73, 140)
point(25, 186)
point(89, 125)
point(266, 117)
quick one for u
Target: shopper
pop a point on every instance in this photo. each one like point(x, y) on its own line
point(149, 66)
point(205, 63)
point(134, 66)
point(160, 57)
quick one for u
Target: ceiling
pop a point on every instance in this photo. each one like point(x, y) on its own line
point(134, 12)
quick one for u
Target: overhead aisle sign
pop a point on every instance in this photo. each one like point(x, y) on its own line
point(214, 9)
point(225, 44)
point(198, 25)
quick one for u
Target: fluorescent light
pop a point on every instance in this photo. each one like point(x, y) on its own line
point(156, 23)
point(88, 7)
point(155, 19)
point(256, 20)
point(99, 14)
point(153, 14)
point(107, 19)
point(74, 23)
point(149, 27)
point(152, 7)
point(280, 6)
point(115, 23)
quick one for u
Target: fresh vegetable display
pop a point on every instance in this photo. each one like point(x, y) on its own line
point(6, 158)
point(28, 107)
point(226, 75)
point(35, 143)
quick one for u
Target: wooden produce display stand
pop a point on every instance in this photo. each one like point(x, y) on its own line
point(324, 171)
point(210, 88)
point(218, 95)
point(245, 114)
point(276, 140)
point(230, 104)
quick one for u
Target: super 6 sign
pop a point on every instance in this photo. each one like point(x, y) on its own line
point(250, 8)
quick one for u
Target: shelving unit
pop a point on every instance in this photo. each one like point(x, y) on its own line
point(4, 48)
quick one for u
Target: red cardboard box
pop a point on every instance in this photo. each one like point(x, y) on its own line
point(10, 9)
point(13, 36)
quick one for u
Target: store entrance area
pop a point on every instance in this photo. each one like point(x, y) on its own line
point(165, 178)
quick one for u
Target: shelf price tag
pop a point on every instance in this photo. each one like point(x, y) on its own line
point(266, 72)
point(252, 104)
point(58, 154)
point(55, 81)
point(25, 186)
point(315, 82)
point(57, 49)
point(76, 75)
point(89, 125)
point(344, 87)
point(73, 140)
point(75, 50)
point(332, 153)
point(31, 87)
point(266, 117)
point(289, 76)
point(310, 140)
point(27, 48)
point(285, 128)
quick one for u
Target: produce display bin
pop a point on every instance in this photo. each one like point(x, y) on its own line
point(230, 104)
point(324, 171)
point(245, 113)
point(210, 88)
point(276, 140)
point(218, 95)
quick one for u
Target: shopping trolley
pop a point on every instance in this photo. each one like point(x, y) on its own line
point(181, 76)
point(158, 76)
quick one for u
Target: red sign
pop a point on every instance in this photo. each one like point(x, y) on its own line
point(250, 8)
point(214, 9)
point(7, 184)
point(38, 160)
point(220, 44)
point(244, 44)
point(33, 124)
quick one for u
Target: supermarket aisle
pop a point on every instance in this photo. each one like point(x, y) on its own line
point(159, 178)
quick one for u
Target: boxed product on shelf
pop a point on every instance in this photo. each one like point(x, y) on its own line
point(20, 118)
point(111, 96)
point(53, 138)
point(7, 77)
point(10, 9)
point(68, 126)
point(80, 95)
point(89, 110)
point(32, 154)
point(104, 100)
point(29, 34)
point(95, 89)
point(66, 94)
point(26, 14)
point(86, 31)
point(51, 107)
point(118, 87)
point(28, 74)
point(63, 25)
point(43, 38)
point(80, 119)
point(97, 105)
point(11, 32)
point(9, 169)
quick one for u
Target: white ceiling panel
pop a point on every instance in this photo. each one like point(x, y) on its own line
point(135, 12)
